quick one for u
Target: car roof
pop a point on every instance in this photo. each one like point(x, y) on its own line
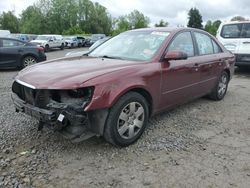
point(167, 29)
point(50, 35)
point(235, 22)
point(8, 38)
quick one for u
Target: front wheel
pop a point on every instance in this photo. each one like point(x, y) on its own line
point(127, 120)
point(220, 89)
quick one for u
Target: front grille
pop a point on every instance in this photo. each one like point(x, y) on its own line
point(38, 98)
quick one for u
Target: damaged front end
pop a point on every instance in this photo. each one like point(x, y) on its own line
point(62, 110)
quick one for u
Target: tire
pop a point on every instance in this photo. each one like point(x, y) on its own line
point(127, 120)
point(220, 90)
point(46, 49)
point(62, 46)
point(28, 60)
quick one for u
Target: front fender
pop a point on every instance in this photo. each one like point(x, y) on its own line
point(105, 96)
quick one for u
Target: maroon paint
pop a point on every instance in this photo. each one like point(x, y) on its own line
point(168, 82)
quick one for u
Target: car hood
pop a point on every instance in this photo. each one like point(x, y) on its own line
point(38, 41)
point(70, 73)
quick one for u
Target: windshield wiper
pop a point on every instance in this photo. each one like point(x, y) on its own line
point(110, 57)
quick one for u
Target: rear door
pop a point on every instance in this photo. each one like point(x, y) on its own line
point(210, 61)
point(10, 52)
point(244, 42)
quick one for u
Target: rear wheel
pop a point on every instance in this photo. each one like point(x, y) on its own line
point(62, 46)
point(28, 60)
point(127, 120)
point(220, 89)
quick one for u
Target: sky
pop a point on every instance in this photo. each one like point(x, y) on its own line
point(173, 11)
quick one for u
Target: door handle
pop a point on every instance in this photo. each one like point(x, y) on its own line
point(196, 67)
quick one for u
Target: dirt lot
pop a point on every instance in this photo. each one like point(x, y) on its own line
point(200, 144)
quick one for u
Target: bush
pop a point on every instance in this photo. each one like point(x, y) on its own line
point(72, 31)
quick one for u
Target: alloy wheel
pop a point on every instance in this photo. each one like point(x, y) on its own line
point(29, 61)
point(131, 120)
point(222, 87)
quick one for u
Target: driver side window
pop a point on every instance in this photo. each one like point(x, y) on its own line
point(183, 42)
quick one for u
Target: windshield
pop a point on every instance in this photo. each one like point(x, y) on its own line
point(241, 30)
point(140, 46)
point(42, 37)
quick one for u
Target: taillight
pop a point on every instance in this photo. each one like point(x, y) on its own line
point(40, 49)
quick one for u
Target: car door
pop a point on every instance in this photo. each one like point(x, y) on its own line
point(10, 52)
point(209, 62)
point(52, 42)
point(180, 78)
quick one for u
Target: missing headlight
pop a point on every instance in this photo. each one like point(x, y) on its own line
point(76, 96)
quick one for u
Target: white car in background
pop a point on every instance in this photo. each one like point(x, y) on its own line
point(235, 36)
point(49, 41)
point(71, 41)
point(4, 33)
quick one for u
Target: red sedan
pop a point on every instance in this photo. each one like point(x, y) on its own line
point(113, 90)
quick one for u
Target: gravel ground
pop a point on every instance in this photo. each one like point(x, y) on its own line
point(200, 144)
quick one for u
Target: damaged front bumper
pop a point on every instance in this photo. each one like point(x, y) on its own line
point(71, 121)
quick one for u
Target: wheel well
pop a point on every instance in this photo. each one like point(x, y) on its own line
point(228, 72)
point(147, 96)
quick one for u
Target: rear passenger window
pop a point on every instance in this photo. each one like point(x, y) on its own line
point(217, 48)
point(12, 43)
point(204, 44)
point(184, 43)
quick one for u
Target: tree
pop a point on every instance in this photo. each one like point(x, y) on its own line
point(122, 24)
point(134, 20)
point(161, 24)
point(212, 27)
point(33, 21)
point(138, 20)
point(238, 18)
point(9, 21)
point(195, 18)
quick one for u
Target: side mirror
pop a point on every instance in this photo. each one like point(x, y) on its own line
point(175, 55)
point(51, 40)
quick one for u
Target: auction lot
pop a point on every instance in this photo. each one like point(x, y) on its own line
point(199, 144)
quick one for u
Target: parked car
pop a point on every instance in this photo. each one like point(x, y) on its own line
point(113, 90)
point(81, 53)
point(235, 36)
point(49, 41)
point(23, 37)
point(94, 38)
point(81, 41)
point(4, 33)
point(71, 41)
point(18, 54)
point(87, 42)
